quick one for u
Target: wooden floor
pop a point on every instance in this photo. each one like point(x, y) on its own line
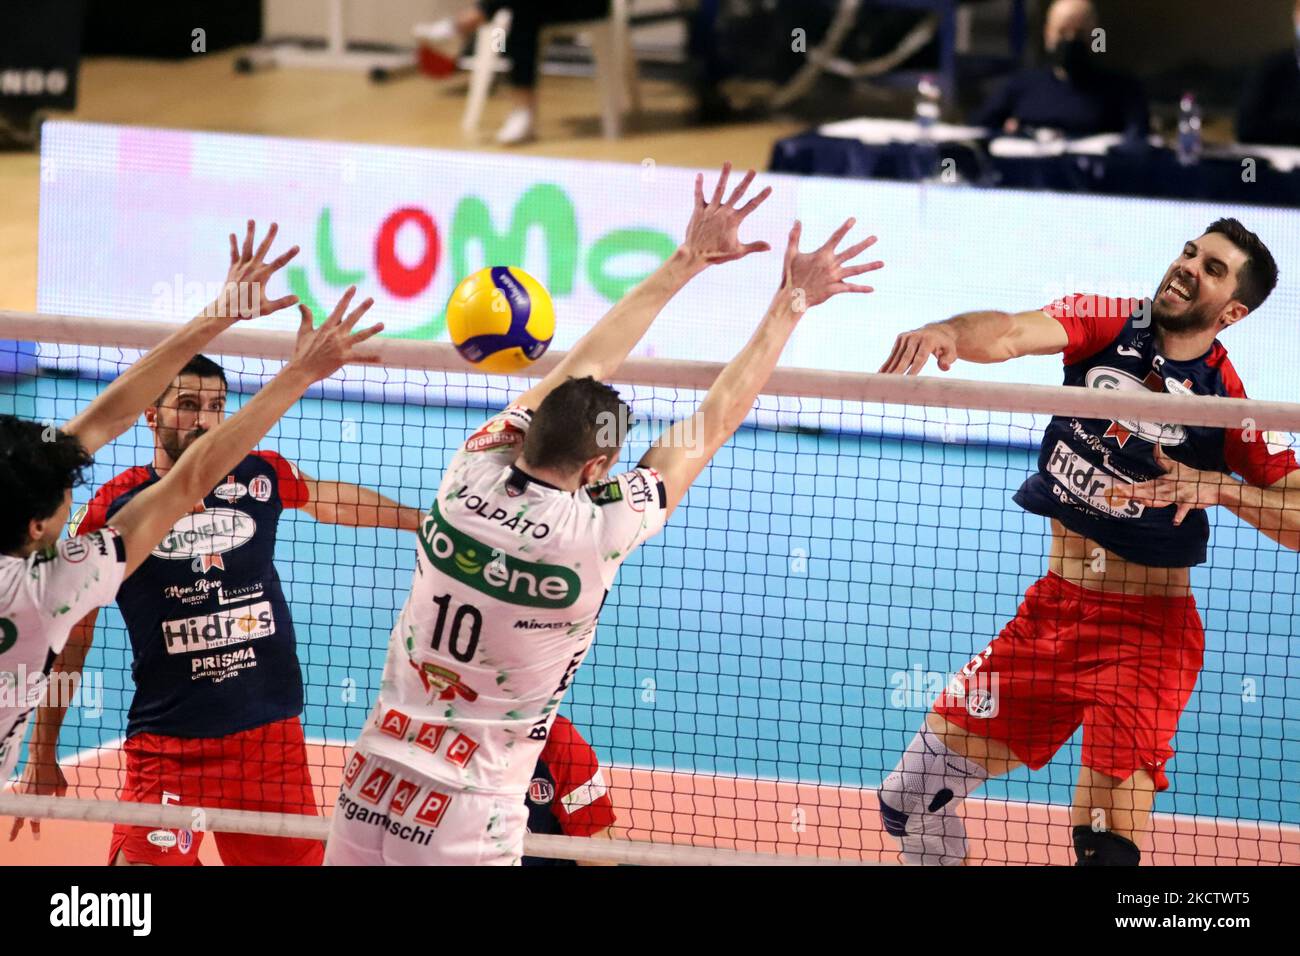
point(205, 93)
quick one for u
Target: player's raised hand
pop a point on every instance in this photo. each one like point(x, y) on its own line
point(243, 296)
point(1180, 485)
point(44, 778)
point(712, 235)
point(913, 349)
point(813, 277)
point(322, 352)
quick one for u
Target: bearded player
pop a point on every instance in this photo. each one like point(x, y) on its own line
point(517, 556)
point(215, 718)
point(44, 589)
point(1110, 638)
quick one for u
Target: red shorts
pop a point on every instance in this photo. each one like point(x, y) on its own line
point(260, 769)
point(1122, 665)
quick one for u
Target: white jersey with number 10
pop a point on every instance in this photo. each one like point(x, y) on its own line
point(510, 576)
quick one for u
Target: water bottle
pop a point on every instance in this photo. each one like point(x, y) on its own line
point(1189, 130)
point(928, 96)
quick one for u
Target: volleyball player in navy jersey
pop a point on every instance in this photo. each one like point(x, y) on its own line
point(1110, 637)
point(45, 589)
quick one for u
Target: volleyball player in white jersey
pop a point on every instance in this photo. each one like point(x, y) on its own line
point(44, 589)
point(517, 555)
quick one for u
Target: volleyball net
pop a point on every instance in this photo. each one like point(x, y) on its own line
point(761, 665)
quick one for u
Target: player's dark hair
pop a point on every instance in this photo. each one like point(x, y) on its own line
point(200, 365)
point(1258, 276)
point(38, 464)
point(579, 420)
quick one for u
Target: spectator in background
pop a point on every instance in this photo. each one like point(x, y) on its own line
point(527, 17)
point(1270, 106)
point(568, 795)
point(1073, 94)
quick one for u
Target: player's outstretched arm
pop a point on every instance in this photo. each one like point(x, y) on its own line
point(809, 278)
point(983, 337)
point(318, 355)
point(341, 502)
point(712, 237)
point(241, 297)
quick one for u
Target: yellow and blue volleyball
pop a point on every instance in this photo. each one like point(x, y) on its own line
point(501, 319)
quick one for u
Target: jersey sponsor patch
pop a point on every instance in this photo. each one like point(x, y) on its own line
point(221, 667)
point(394, 723)
point(1092, 484)
point(211, 532)
point(74, 522)
point(444, 682)
point(509, 579)
point(354, 767)
point(187, 635)
point(403, 795)
point(605, 493)
point(376, 785)
point(497, 433)
point(429, 736)
point(196, 593)
point(461, 749)
point(1278, 443)
point(230, 490)
point(74, 550)
point(248, 592)
point(260, 488)
point(586, 795)
point(1121, 431)
point(541, 791)
point(433, 808)
point(162, 838)
point(640, 491)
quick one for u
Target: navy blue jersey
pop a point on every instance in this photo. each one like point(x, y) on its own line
point(212, 641)
point(1085, 465)
point(567, 795)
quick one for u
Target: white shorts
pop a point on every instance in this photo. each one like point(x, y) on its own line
point(389, 815)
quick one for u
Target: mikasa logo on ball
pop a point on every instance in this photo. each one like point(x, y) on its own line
point(507, 284)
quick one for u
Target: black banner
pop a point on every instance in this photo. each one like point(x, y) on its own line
point(965, 907)
point(40, 50)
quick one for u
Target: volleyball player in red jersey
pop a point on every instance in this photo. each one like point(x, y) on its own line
point(568, 795)
point(1110, 638)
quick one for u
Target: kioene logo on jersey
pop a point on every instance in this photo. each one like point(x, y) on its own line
point(512, 580)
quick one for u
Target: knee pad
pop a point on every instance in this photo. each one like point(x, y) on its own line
point(1103, 848)
point(919, 800)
